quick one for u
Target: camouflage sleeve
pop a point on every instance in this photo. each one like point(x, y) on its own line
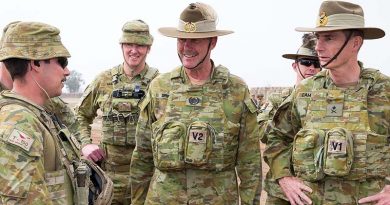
point(86, 111)
point(285, 124)
point(249, 162)
point(21, 166)
point(142, 166)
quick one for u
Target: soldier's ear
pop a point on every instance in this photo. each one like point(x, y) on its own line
point(36, 63)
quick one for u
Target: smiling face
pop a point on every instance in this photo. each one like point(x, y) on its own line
point(135, 55)
point(194, 52)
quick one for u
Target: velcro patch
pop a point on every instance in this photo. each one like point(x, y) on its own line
point(20, 139)
point(198, 136)
point(334, 110)
point(337, 146)
point(194, 101)
point(304, 95)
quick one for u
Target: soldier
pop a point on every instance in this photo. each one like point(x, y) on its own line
point(260, 101)
point(305, 65)
point(55, 105)
point(329, 143)
point(117, 92)
point(305, 62)
point(197, 132)
point(39, 163)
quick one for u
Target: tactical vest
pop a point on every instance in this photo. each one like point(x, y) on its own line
point(336, 139)
point(194, 132)
point(88, 183)
point(120, 117)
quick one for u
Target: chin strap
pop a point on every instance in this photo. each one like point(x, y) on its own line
point(208, 49)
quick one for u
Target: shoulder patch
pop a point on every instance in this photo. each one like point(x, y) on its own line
point(20, 139)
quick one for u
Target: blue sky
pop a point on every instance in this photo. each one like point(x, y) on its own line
point(264, 30)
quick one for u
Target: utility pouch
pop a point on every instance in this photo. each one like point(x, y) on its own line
point(198, 143)
point(114, 129)
point(168, 145)
point(338, 152)
point(307, 154)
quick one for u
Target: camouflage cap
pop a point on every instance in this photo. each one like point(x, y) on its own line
point(307, 49)
point(136, 31)
point(198, 20)
point(32, 40)
point(5, 30)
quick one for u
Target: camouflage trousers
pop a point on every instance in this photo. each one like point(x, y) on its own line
point(117, 167)
point(193, 187)
point(337, 192)
point(122, 195)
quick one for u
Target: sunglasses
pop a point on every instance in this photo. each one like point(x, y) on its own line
point(309, 62)
point(62, 61)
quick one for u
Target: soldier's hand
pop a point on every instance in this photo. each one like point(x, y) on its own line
point(293, 189)
point(93, 152)
point(382, 198)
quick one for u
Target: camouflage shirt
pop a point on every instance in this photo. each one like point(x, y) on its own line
point(203, 184)
point(289, 118)
point(64, 113)
point(98, 95)
point(29, 158)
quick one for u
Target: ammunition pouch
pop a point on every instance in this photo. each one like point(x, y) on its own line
point(198, 143)
point(168, 146)
point(119, 129)
point(338, 153)
point(307, 154)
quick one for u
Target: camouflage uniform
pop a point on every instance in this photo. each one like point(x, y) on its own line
point(117, 96)
point(39, 161)
point(64, 113)
point(31, 169)
point(193, 142)
point(265, 117)
point(334, 139)
point(30, 160)
point(60, 108)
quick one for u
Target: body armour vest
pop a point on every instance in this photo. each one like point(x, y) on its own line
point(121, 111)
point(75, 180)
point(194, 131)
point(58, 181)
point(336, 139)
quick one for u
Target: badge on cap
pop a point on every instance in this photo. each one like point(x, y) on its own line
point(189, 27)
point(20, 139)
point(323, 19)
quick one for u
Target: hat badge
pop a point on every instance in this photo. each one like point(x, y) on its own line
point(189, 27)
point(323, 19)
